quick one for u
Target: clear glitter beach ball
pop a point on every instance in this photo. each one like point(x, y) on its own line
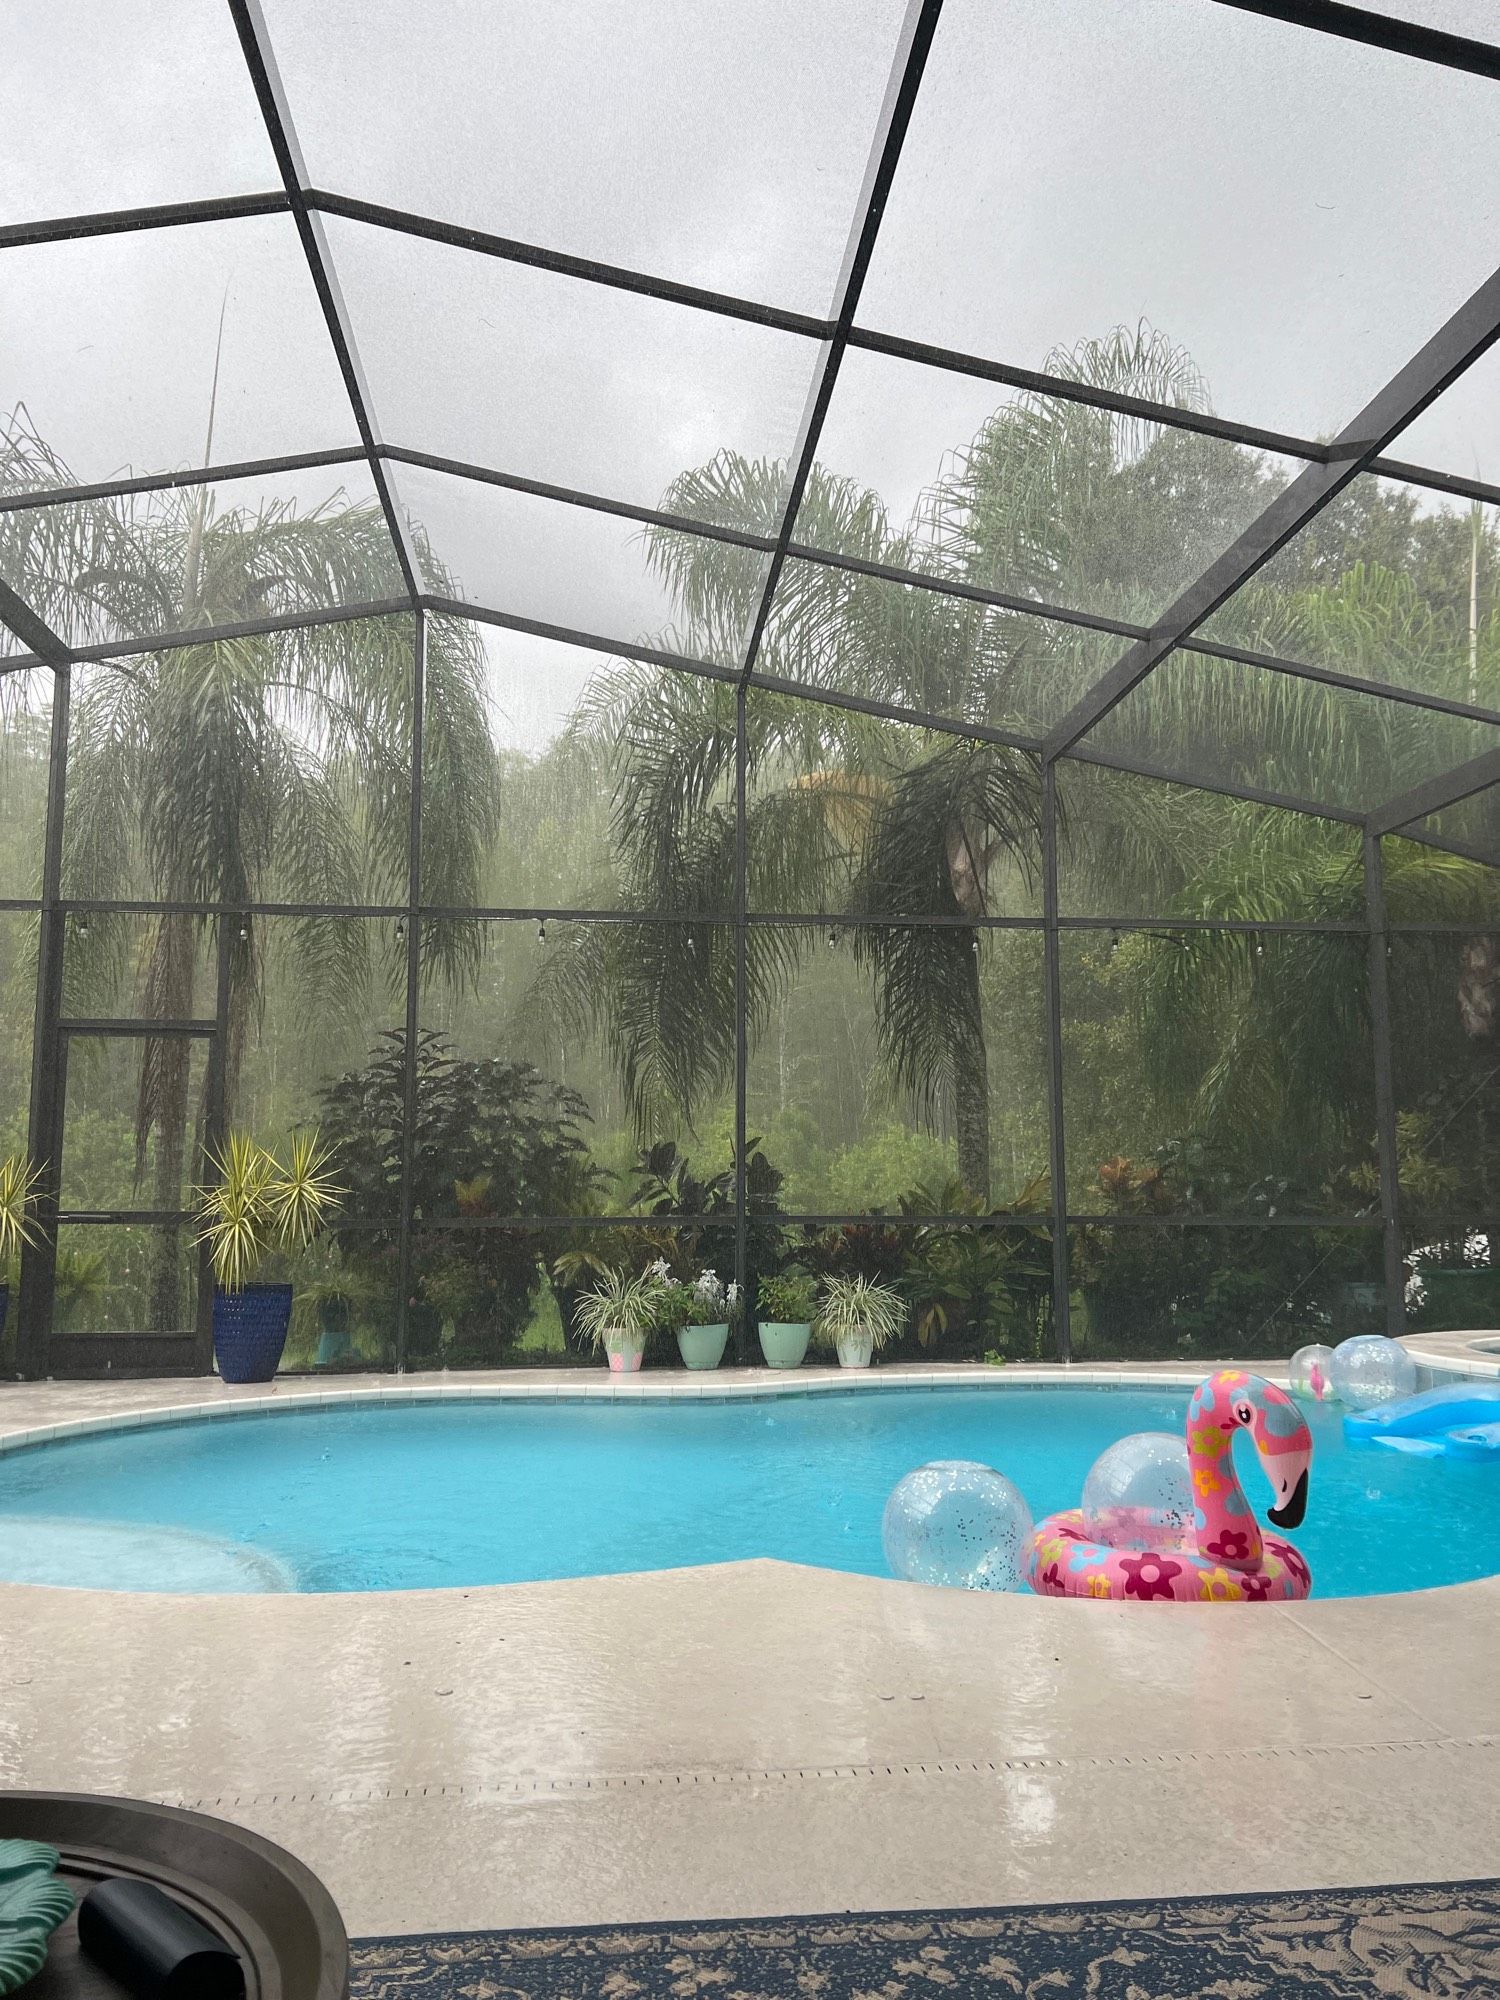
point(1139, 1494)
point(1370, 1369)
point(959, 1523)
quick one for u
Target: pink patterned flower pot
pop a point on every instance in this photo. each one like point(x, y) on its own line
point(624, 1354)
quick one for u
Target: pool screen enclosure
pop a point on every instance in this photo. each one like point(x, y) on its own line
point(683, 563)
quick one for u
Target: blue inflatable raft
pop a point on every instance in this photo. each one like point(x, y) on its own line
point(1456, 1420)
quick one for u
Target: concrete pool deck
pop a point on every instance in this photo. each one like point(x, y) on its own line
point(760, 1738)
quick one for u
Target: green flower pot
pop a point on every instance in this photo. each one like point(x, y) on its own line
point(702, 1346)
point(784, 1344)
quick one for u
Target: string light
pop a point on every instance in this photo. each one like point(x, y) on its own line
point(400, 930)
point(541, 933)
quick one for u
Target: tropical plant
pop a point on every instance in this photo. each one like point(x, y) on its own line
point(81, 1282)
point(491, 1140)
point(619, 1307)
point(789, 1297)
point(18, 1180)
point(856, 1309)
point(705, 1301)
point(257, 1203)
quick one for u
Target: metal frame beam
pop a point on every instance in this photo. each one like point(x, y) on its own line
point(47, 648)
point(1469, 333)
point(1387, 1150)
point(255, 43)
point(901, 99)
point(1379, 31)
point(124, 221)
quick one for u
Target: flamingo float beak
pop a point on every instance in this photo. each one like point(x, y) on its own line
point(1289, 1514)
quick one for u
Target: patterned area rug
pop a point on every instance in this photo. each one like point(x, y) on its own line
point(1429, 1943)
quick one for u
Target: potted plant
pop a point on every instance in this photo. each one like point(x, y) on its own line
point(618, 1315)
point(18, 1181)
point(258, 1205)
point(699, 1314)
point(328, 1295)
point(787, 1302)
point(858, 1317)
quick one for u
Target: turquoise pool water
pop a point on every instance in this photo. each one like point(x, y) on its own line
point(411, 1496)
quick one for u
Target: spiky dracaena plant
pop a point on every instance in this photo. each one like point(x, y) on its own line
point(259, 1203)
point(18, 1180)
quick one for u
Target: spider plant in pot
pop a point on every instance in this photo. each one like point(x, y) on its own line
point(258, 1205)
point(617, 1315)
point(18, 1179)
point(786, 1303)
point(858, 1317)
point(329, 1295)
point(698, 1313)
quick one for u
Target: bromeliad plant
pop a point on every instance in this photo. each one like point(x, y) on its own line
point(261, 1203)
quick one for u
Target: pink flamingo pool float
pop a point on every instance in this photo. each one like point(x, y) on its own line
point(1232, 1561)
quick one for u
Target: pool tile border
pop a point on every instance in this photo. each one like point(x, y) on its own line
point(606, 1389)
point(1445, 1357)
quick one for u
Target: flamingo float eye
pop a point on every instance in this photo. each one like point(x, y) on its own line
point(1243, 1413)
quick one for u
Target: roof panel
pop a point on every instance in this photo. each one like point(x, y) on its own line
point(123, 569)
point(1222, 722)
point(573, 567)
point(1051, 500)
point(718, 142)
point(1262, 193)
point(1378, 586)
point(112, 345)
point(552, 378)
point(1460, 432)
point(110, 106)
point(923, 650)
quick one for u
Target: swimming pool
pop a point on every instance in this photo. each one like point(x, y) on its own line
point(393, 1495)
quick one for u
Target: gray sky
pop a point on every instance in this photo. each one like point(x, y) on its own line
point(1300, 214)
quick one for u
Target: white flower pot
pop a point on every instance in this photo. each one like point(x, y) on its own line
point(856, 1350)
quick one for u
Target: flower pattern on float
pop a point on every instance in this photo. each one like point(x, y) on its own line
point(1232, 1562)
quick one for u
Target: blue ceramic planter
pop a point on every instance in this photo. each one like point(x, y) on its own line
point(250, 1329)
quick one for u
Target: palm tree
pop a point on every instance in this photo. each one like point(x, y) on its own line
point(272, 767)
point(1055, 501)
